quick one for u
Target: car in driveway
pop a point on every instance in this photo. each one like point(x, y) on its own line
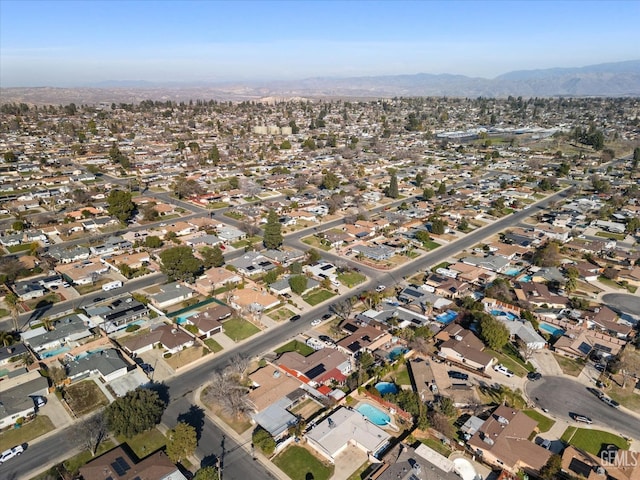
point(11, 452)
point(316, 322)
point(380, 288)
point(601, 367)
point(327, 339)
point(146, 368)
point(457, 375)
point(581, 418)
point(504, 370)
point(534, 376)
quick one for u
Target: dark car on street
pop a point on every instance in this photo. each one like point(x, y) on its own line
point(457, 375)
point(294, 318)
point(534, 376)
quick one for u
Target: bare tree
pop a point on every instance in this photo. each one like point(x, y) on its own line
point(342, 308)
point(227, 391)
point(238, 365)
point(90, 432)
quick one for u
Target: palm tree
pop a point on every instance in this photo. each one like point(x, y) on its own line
point(6, 338)
point(12, 301)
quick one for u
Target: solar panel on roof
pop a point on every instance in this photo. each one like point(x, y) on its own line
point(315, 371)
point(579, 467)
point(116, 467)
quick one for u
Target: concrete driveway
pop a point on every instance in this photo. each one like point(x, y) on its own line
point(546, 363)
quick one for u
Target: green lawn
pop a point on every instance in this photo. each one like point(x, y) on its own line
point(146, 442)
point(318, 297)
point(593, 441)
point(19, 248)
point(544, 423)
point(4, 313)
point(613, 236)
point(315, 242)
point(351, 279)
point(296, 346)
point(430, 245)
point(29, 431)
point(214, 346)
point(73, 464)
point(436, 445)
point(280, 314)
point(508, 357)
point(402, 376)
point(299, 464)
point(569, 366)
point(238, 329)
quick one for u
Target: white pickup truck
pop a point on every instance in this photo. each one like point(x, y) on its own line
point(10, 453)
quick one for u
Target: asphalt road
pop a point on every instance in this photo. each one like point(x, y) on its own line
point(623, 302)
point(562, 396)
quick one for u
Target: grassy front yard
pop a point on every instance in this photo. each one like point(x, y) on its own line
point(593, 441)
point(544, 423)
point(569, 366)
point(315, 242)
point(280, 314)
point(146, 442)
point(29, 431)
point(185, 357)
point(351, 279)
point(84, 397)
point(295, 346)
point(318, 297)
point(214, 346)
point(300, 464)
point(238, 329)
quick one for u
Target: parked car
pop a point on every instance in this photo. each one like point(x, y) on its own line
point(146, 368)
point(316, 322)
point(610, 401)
point(534, 376)
point(596, 392)
point(546, 443)
point(294, 318)
point(582, 418)
point(326, 316)
point(380, 288)
point(39, 401)
point(326, 339)
point(10, 453)
point(457, 375)
point(504, 370)
point(600, 367)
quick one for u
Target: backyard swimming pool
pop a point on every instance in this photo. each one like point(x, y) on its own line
point(375, 415)
point(447, 317)
point(512, 272)
point(551, 329)
point(53, 353)
point(386, 387)
point(181, 319)
point(500, 313)
point(396, 352)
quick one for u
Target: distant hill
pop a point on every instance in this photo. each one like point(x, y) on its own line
point(620, 79)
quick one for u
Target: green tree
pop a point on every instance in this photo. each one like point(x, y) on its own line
point(272, 231)
point(633, 224)
point(152, 242)
point(119, 205)
point(184, 187)
point(270, 277)
point(463, 226)
point(13, 302)
point(137, 411)
point(428, 193)
point(298, 283)
point(181, 442)
point(419, 179)
point(330, 181)
point(392, 190)
point(423, 236)
point(214, 155)
point(285, 145)
point(442, 188)
point(313, 255)
point(178, 263)
point(437, 226)
point(212, 256)
point(552, 468)
point(18, 225)
point(547, 255)
point(207, 473)
point(493, 333)
point(263, 440)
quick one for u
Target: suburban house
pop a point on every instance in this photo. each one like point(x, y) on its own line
point(28, 290)
point(320, 367)
point(579, 343)
point(16, 396)
point(118, 314)
point(132, 260)
point(462, 346)
point(503, 441)
point(215, 278)
point(107, 364)
point(252, 263)
point(229, 234)
point(170, 337)
point(610, 464)
point(66, 332)
point(538, 294)
point(272, 394)
point(10, 353)
point(170, 294)
point(83, 272)
point(346, 427)
point(362, 339)
point(208, 322)
point(116, 464)
point(254, 299)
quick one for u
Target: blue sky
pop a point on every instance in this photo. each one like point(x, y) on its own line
point(72, 43)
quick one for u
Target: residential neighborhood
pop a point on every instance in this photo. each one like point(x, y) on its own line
point(340, 287)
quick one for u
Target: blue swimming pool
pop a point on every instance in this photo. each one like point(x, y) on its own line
point(551, 329)
point(512, 272)
point(181, 319)
point(525, 278)
point(386, 387)
point(447, 317)
point(375, 415)
point(397, 352)
point(500, 313)
point(53, 353)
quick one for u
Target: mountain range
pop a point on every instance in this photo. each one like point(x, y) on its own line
point(621, 79)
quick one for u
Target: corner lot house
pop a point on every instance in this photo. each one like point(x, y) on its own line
point(170, 337)
point(170, 294)
point(116, 464)
point(16, 396)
